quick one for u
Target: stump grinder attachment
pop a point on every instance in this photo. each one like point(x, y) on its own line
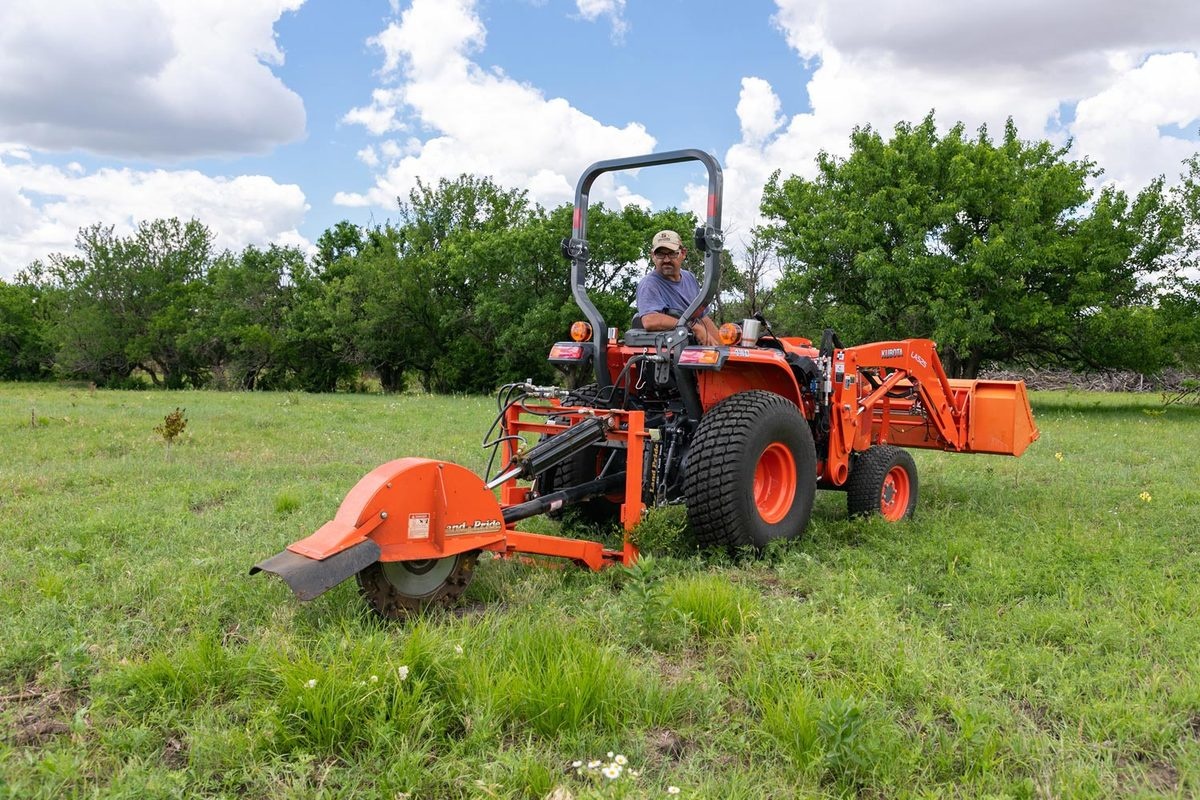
point(411, 529)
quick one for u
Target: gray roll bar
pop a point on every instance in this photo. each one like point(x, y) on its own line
point(709, 239)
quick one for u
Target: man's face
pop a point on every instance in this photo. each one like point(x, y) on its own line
point(668, 263)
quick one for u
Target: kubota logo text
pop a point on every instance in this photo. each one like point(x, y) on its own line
point(891, 352)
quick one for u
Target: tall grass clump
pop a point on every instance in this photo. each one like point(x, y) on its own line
point(559, 680)
point(713, 606)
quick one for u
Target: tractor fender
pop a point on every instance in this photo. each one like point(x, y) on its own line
point(745, 369)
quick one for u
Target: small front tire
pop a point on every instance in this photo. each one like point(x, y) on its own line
point(883, 483)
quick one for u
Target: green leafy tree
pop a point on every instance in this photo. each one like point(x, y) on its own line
point(997, 250)
point(128, 301)
point(468, 288)
point(1179, 304)
point(26, 349)
point(240, 332)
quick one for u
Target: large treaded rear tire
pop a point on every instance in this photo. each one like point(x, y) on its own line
point(883, 483)
point(751, 474)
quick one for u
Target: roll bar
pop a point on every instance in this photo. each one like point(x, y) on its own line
point(709, 239)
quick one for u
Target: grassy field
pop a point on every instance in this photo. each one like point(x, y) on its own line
point(1032, 633)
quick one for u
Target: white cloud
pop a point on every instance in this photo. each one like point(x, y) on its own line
point(42, 207)
point(369, 156)
point(477, 121)
point(154, 78)
point(1120, 127)
point(758, 110)
point(877, 63)
point(591, 10)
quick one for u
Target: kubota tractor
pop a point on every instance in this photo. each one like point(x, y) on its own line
point(742, 433)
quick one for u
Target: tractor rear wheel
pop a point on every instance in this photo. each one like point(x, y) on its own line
point(751, 472)
point(883, 482)
point(396, 589)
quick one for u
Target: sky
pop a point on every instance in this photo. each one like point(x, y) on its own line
point(272, 120)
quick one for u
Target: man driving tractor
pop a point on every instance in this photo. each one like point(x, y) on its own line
point(663, 293)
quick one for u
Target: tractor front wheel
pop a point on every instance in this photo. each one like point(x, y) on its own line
point(751, 472)
point(396, 589)
point(883, 482)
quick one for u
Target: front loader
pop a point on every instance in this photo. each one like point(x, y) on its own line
point(743, 433)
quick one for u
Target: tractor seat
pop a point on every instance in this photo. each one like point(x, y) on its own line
point(637, 336)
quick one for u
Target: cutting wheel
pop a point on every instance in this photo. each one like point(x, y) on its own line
point(399, 588)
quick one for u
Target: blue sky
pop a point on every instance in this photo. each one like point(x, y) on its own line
point(270, 120)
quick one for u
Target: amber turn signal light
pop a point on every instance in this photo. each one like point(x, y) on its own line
point(581, 331)
point(730, 333)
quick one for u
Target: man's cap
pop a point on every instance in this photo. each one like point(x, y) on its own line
point(667, 239)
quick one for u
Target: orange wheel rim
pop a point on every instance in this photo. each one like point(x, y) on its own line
point(774, 483)
point(894, 495)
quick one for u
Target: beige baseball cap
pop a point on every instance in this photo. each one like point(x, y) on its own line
point(667, 239)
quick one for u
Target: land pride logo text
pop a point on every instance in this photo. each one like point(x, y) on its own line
point(478, 526)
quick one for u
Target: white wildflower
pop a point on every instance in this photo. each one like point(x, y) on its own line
point(612, 771)
point(403, 673)
point(672, 790)
point(312, 683)
point(620, 759)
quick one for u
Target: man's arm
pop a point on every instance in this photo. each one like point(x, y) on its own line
point(657, 321)
point(710, 335)
point(704, 328)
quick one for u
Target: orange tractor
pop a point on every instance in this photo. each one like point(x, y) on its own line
point(742, 433)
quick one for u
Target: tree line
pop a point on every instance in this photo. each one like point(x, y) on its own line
point(996, 249)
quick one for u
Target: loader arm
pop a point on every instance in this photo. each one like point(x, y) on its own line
point(898, 393)
point(913, 365)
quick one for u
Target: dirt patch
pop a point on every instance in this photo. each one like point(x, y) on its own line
point(667, 743)
point(1143, 772)
point(175, 754)
point(1040, 716)
point(1162, 776)
point(232, 636)
point(217, 500)
point(35, 715)
point(1193, 724)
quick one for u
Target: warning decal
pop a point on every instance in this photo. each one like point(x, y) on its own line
point(418, 526)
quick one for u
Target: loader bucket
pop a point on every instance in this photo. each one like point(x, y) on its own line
point(999, 419)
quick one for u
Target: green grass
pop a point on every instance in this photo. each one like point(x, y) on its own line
point(1032, 633)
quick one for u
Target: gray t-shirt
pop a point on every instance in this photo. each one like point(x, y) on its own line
point(656, 294)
